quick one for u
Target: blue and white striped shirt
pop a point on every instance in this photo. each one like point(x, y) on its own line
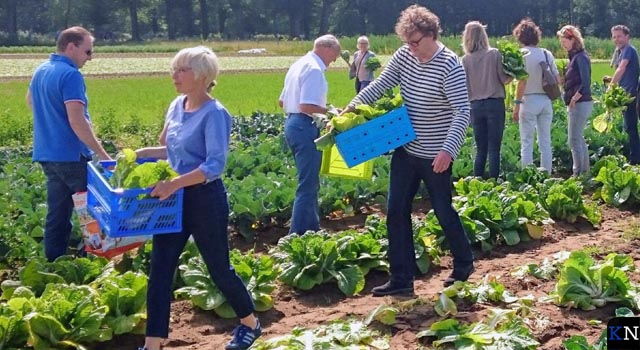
point(435, 94)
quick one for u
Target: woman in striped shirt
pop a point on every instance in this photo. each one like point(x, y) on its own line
point(433, 85)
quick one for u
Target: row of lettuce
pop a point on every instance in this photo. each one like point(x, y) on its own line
point(77, 301)
point(74, 302)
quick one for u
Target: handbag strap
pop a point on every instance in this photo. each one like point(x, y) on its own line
point(546, 58)
point(361, 60)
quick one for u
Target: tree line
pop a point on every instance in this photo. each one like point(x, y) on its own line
point(24, 22)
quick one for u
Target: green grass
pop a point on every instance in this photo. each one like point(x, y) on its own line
point(146, 99)
point(600, 69)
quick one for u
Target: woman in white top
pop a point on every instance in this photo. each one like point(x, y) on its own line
point(533, 110)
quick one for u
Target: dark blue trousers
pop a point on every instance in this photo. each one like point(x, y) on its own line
point(406, 174)
point(205, 217)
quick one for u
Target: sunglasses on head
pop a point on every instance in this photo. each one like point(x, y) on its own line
point(568, 34)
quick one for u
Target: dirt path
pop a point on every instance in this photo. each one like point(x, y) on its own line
point(194, 329)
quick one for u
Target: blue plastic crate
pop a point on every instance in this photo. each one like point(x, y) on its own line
point(376, 137)
point(131, 212)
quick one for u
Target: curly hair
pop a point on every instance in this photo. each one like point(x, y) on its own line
point(419, 19)
point(527, 32)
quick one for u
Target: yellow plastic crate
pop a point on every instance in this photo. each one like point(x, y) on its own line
point(334, 165)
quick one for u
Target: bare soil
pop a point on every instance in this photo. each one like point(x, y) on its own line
point(193, 329)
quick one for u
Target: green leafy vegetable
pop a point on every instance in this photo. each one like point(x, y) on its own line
point(361, 115)
point(345, 56)
point(257, 272)
point(512, 59)
point(615, 102)
point(129, 174)
point(586, 285)
point(373, 63)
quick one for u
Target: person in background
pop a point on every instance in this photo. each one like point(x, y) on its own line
point(358, 68)
point(577, 96)
point(63, 137)
point(485, 82)
point(625, 60)
point(533, 109)
point(195, 140)
point(433, 86)
point(304, 93)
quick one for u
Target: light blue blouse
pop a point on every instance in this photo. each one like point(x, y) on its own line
point(198, 139)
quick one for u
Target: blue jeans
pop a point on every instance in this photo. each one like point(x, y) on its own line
point(205, 216)
point(300, 132)
point(63, 180)
point(361, 84)
point(487, 118)
point(407, 172)
point(631, 127)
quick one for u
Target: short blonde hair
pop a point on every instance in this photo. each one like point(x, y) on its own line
point(363, 39)
point(200, 59)
point(474, 37)
point(417, 18)
point(572, 32)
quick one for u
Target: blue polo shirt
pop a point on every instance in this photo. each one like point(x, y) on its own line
point(55, 83)
point(629, 80)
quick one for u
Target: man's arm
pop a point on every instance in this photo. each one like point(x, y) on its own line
point(82, 128)
point(310, 109)
point(622, 67)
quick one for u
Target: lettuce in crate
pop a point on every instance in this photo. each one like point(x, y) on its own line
point(362, 114)
point(129, 174)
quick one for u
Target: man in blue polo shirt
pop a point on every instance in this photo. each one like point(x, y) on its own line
point(625, 60)
point(304, 93)
point(63, 138)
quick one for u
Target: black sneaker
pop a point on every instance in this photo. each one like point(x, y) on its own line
point(461, 274)
point(391, 288)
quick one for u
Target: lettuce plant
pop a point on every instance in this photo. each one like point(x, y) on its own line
point(65, 316)
point(257, 272)
point(502, 329)
point(586, 285)
point(126, 297)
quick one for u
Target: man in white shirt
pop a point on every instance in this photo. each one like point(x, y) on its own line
point(304, 93)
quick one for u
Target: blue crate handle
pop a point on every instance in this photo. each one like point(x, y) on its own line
point(110, 163)
point(107, 174)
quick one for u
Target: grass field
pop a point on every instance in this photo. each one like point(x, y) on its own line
point(147, 98)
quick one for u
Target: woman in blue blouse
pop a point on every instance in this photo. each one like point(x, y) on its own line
point(195, 140)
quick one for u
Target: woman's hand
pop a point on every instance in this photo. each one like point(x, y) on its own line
point(164, 189)
point(574, 100)
point(441, 162)
point(516, 113)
